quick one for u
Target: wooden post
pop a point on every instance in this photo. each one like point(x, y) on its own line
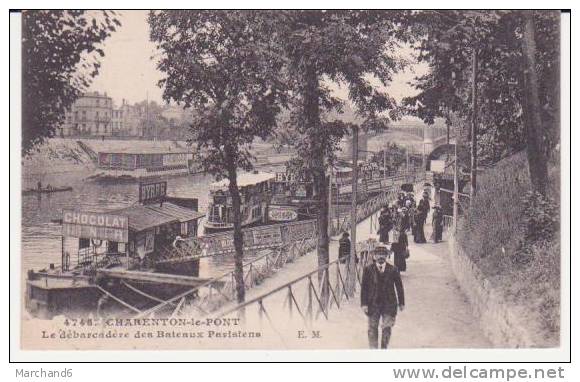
point(473, 122)
point(407, 157)
point(330, 223)
point(384, 164)
point(455, 188)
point(62, 256)
point(350, 280)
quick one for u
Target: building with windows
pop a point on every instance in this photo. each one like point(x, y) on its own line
point(126, 121)
point(90, 115)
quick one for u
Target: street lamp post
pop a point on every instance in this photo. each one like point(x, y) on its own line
point(350, 275)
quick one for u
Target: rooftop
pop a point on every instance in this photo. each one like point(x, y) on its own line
point(143, 217)
point(181, 213)
point(137, 146)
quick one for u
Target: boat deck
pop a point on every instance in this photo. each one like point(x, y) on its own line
point(153, 277)
point(62, 281)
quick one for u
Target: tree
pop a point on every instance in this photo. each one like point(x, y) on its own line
point(343, 47)
point(443, 39)
point(531, 105)
point(60, 56)
point(222, 65)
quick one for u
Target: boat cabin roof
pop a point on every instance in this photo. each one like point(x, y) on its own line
point(143, 217)
point(145, 151)
point(181, 213)
point(244, 180)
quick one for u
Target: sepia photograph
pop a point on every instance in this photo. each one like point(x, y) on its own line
point(291, 180)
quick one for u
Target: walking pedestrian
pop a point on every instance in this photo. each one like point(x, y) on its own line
point(344, 248)
point(422, 212)
point(385, 225)
point(411, 198)
point(400, 249)
point(381, 294)
point(411, 214)
point(401, 199)
point(437, 222)
point(404, 222)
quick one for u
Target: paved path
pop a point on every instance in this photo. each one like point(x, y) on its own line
point(437, 314)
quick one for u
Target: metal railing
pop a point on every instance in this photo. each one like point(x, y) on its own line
point(319, 298)
point(447, 221)
point(213, 294)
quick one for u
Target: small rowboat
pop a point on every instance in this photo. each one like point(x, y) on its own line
point(45, 190)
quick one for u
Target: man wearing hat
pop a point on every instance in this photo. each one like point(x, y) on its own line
point(385, 225)
point(344, 248)
point(381, 294)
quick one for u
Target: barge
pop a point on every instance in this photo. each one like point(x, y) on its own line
point(143, 164)
point(120, 261)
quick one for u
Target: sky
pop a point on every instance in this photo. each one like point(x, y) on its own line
point(128, 72)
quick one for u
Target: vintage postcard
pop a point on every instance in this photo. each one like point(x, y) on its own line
point(291, 180)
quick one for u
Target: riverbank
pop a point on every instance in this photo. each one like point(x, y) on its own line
point(511, 238)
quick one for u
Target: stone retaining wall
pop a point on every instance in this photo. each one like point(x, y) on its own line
point(500, 321)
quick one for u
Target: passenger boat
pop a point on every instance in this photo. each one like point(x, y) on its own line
point(293, 198)
point(255, 191)
point(130, 257)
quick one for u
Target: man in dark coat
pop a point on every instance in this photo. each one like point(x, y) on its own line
point(422, 211)
point(344, 248)
point(385, 225)
point(381, 294)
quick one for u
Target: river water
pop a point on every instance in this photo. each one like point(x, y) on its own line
point(41, 238)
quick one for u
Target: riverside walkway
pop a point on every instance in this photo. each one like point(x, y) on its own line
point(437, 314)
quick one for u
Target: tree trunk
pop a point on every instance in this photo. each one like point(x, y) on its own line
point(473, 190)
point(534, 131)
point(238, 238)
point(312, 114)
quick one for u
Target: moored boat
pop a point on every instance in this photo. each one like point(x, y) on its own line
point(124, 259)
point(140, 163)
point(45, 190)
point(255, 192)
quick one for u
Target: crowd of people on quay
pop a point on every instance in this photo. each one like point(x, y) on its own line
point(405, 215)
point(396, 220)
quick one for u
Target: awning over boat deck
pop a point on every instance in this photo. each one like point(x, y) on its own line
point(243, 180)
point(143, 217)
point(181, 213)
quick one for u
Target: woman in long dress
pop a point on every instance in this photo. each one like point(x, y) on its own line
point(399, 248)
